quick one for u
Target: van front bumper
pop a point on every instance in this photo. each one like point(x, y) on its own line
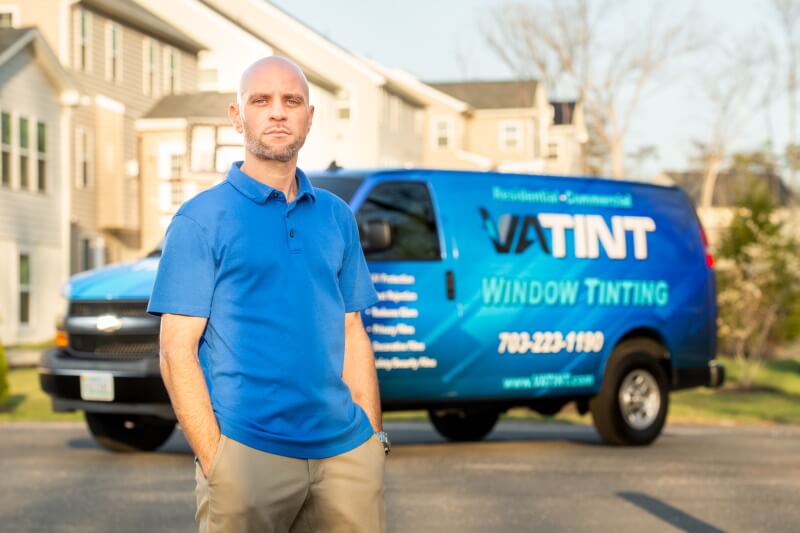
point(138, 388)
point(686, 378)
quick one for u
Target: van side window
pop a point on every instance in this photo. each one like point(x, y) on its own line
point(408, 209)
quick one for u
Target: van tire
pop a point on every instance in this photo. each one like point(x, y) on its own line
point(463, 425)
point(129, 433)
point(635, 366)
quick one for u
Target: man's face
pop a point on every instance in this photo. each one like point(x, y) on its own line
point(274, 113)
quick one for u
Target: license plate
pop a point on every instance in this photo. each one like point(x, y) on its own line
point(97, 386)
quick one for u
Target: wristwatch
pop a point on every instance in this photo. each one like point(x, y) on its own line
point(384, 438)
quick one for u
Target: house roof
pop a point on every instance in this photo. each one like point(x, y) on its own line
point(196, 105)
point(9, 36)
point(492, 94)
point(271, 24)
point(14, 40)
point(730, 187)
point(563, 112)
point(132, 14)
point(407, 84)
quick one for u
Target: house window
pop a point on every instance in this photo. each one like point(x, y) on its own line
point(9, 17)
point(176, 165)
point(24, 288)
point(170, 61)
point(41, 157)
point(83, 159)
point(510, 135)
point(176, 179)
point(5, 137)
point(228, 148)
point(86, 254)
point(149, 55)
point(214, 149)
point(83, 40)
point(442, 132)
point(24, 154)
point(176, 188)
point(113, 52)
point(343, 106)
point(202, 149)
point(552, 150)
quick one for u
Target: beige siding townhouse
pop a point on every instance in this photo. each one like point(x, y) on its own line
point(124, 59)
point(230, 48)
point(510, 126)
point(362, 119)
point(730, 188)
point(35, 94)
point(187, 145)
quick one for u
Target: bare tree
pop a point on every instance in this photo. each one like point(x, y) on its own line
point(588, 48)
point(787, 13)
point(735, 93)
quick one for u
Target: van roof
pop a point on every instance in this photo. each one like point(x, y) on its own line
point(361, 173)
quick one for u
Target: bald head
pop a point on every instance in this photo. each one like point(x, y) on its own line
point(272, 110)
point(272, 66)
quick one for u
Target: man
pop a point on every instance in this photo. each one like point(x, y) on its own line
point(263, 352)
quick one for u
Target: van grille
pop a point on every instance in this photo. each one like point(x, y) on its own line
point(113, 346)
point(129, 308)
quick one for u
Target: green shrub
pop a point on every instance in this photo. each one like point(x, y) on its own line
point(4, 388)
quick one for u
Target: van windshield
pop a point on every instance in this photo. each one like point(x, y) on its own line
point(343, 186)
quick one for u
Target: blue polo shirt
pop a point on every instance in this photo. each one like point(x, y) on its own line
point(274, 280)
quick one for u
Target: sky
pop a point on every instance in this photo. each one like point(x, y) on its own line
point(441, 40)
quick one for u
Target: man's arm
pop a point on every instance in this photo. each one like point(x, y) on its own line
point(183, 377)
point(359, 369)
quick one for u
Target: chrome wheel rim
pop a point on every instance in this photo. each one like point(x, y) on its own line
point(639, 399)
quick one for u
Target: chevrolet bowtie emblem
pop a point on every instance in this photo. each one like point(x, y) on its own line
point(108, 323)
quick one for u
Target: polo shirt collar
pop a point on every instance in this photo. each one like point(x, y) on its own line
point(260, 192)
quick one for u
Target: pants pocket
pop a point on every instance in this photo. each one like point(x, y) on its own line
point(214, 461)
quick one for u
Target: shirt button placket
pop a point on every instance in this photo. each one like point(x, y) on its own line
point(291, 232)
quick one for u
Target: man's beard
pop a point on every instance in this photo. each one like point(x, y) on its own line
point(271, 153)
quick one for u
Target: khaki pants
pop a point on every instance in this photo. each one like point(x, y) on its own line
point(250, 490)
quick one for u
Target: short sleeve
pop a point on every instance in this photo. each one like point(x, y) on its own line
point(185, 279)
point(355, 281)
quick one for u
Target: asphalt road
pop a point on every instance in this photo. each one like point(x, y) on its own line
point(526, 477)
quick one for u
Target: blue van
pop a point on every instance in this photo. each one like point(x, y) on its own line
point(496, 291)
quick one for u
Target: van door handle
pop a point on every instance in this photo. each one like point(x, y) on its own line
point(451, 285)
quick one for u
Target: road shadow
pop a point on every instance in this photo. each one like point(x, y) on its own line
point(669, 514)
point(83, 443)
point(176, 445)
point(422, 433)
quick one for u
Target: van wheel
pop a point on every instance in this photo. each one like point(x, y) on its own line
point(463, 425)
point(129, 433)
point(631, 408)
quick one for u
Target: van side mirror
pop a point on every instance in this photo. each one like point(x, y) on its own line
point(376, 235)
